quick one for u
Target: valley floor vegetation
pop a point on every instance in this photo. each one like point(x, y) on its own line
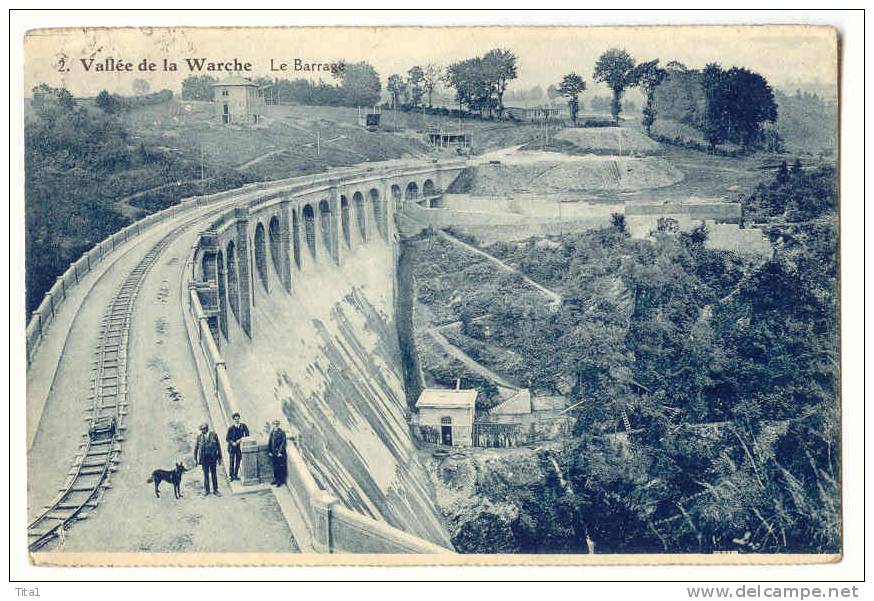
point(726, 368)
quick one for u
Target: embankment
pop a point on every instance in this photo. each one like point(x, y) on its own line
point(609, 140)
point(528, 171)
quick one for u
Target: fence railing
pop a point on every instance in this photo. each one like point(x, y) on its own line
point(64, 285)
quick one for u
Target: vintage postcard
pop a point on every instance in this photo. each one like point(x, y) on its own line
point(432, 296)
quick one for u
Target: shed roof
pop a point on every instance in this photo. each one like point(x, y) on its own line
point(235, 81)
point(518, 404)
point(445, 398)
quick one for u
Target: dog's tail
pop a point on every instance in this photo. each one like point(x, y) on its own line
point(151, 479)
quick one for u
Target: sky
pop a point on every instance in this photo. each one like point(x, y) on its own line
point(786, 55)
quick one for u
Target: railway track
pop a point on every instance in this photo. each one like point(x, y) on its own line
point(98, 456)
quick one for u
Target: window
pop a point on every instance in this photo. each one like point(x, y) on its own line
point(445, 420)
point(224, 92)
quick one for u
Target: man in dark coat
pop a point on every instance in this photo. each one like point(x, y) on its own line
point(208, 453)
point(276, 449)
point(236, 432)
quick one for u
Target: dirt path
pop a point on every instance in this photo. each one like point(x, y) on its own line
point(469, 361)
point(125, 208)
point(554, 297)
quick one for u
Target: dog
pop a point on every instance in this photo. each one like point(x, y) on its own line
point(173, 476)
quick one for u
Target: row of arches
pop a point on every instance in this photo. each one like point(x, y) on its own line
point(307, 224)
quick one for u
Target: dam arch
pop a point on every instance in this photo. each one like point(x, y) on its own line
point(412, 191)
point(309, 223)
point(358, 200)
point(379, 213)
point(344, 220)
point(222, 294)
point(295, 236)
point(275, 238)
point(233, 280)
point(261, 256)
point(325, 226)
point(428, 188)
point(397, 196)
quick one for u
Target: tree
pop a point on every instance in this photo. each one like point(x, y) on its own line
point(738, 102)
point(432, 74)
point(614, 68)
point(750, 104)
point(648, 76)
point(500, 68)
point(415, 81)
point(472, 88)
point(397, 88)
point(552, 92)
point(141, 87)
point(198, 87)
point(359, 84)
point(46, 97)
point(713, 82)
point(108, 103)
point(571, 86)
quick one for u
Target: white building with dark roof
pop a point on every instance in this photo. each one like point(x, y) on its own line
point(446, 416)
point(238, 100)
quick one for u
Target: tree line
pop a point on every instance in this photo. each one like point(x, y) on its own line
point(726, 105)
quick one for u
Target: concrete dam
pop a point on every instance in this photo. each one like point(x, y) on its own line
point(296, 290)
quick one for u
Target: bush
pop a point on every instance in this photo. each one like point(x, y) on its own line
point(598, 123)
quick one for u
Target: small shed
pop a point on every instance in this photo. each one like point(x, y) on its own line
point(448, 414)
point(238, 100)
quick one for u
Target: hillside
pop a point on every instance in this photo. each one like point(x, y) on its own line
point(102, 171)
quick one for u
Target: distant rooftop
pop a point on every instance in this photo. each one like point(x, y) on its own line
point(442, 398)
point(235, 81)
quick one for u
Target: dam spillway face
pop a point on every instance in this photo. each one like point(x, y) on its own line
point(326, 357)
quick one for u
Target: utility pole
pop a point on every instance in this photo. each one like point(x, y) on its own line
point(201, 168)
point(318, 142)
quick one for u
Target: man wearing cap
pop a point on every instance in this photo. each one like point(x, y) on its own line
point(207, 453)
point(276, 448)
point(236, 432)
